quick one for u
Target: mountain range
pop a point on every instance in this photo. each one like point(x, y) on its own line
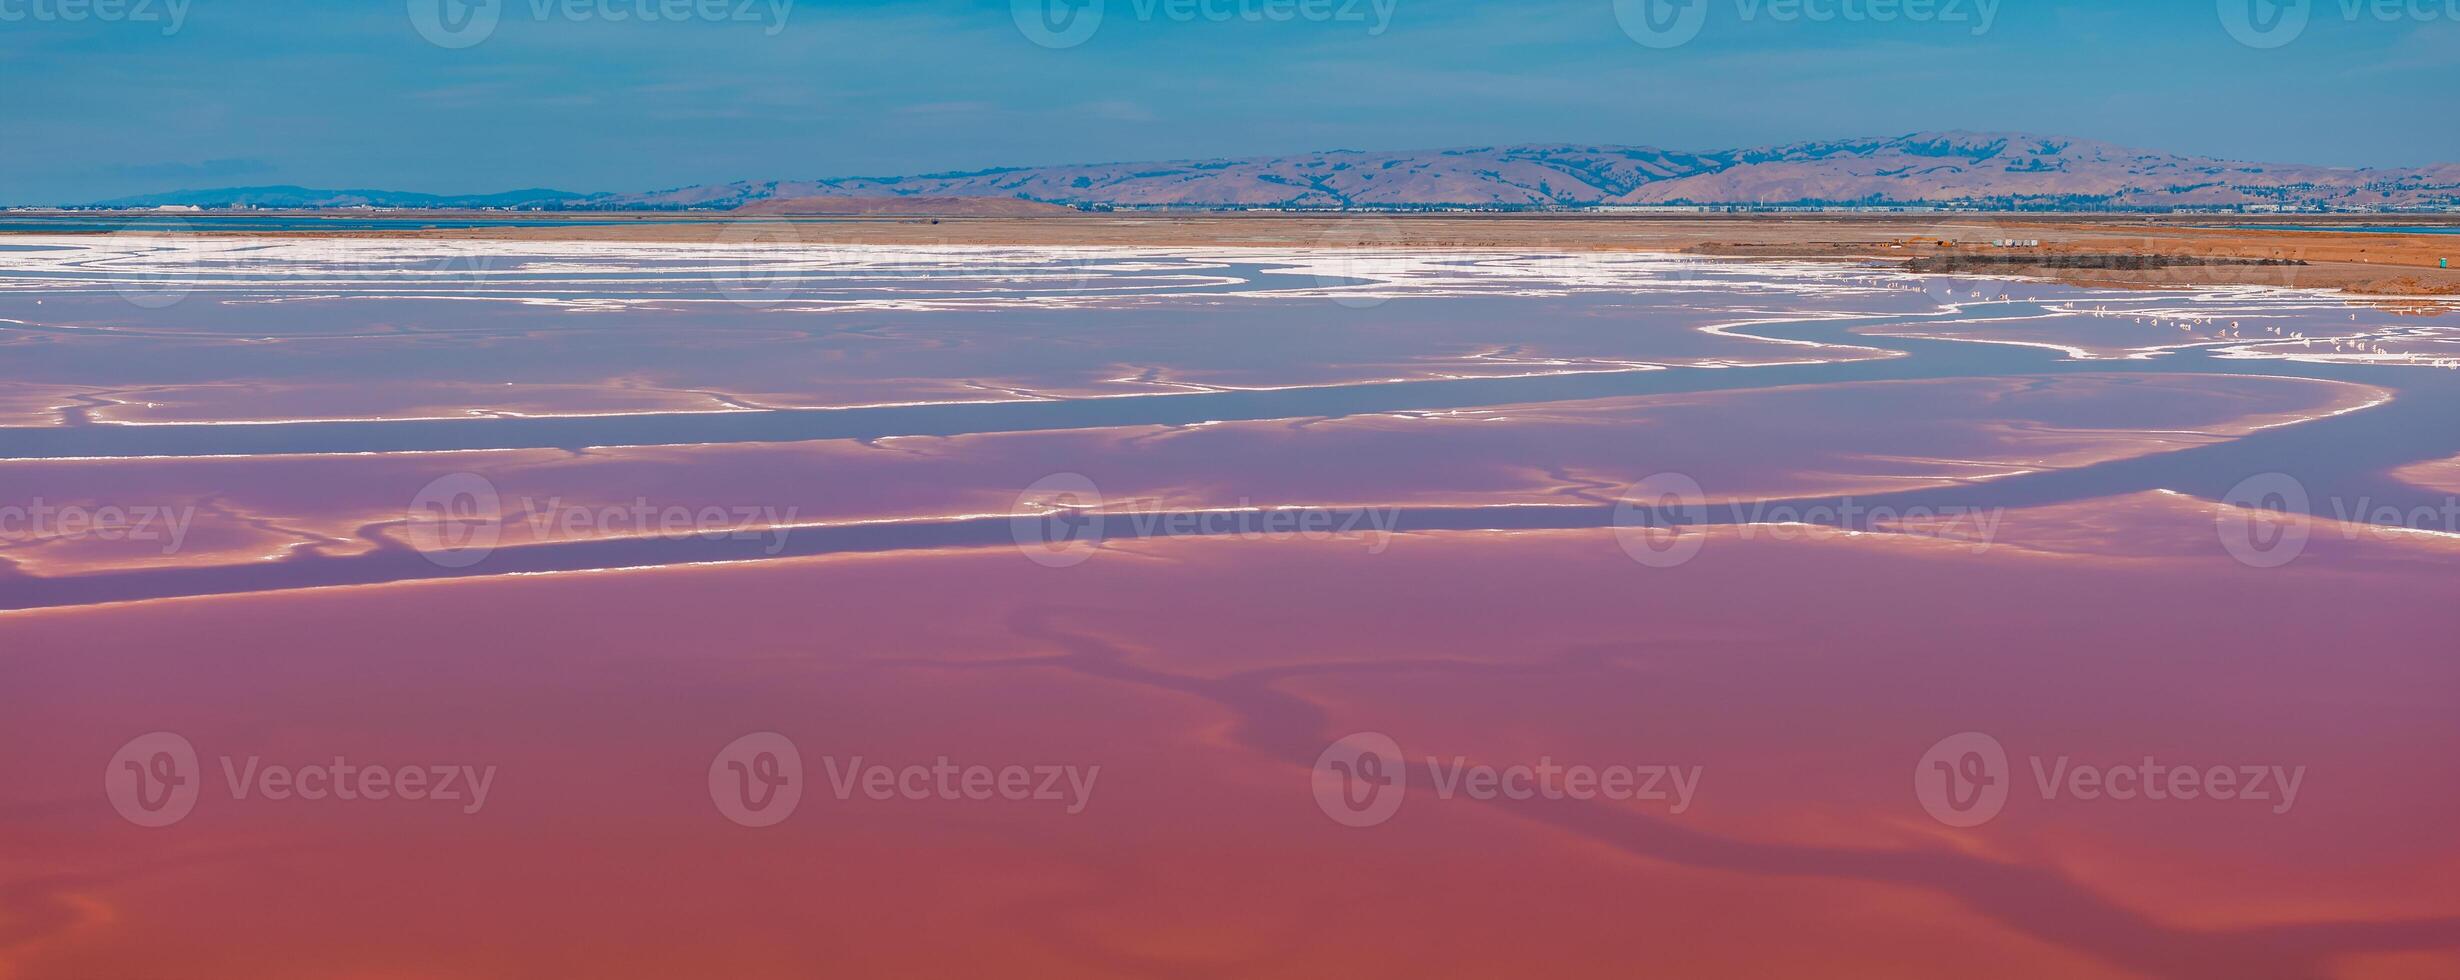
point(1990, 170)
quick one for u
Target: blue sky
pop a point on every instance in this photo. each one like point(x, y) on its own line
point(132, 96)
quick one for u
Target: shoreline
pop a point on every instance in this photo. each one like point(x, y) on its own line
point(2348, 257)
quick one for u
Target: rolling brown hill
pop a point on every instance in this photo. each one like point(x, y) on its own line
point(2028, 171)
point(1982, 169)
point(1988, 170)
point(917, 206)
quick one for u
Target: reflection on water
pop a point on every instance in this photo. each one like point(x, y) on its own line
point(803, 609)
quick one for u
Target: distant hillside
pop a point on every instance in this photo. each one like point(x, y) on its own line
point(1541, 176)
point(2028, 171)
point(2001, 170)
point(286, 196)
point(980, 207)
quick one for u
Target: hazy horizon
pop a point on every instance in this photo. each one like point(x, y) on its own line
point(459, 97)
point(994, 167)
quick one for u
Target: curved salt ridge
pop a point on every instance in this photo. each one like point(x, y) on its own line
point(976, 276)
point(830, 276)
point(843, 278)
point(795, 268)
